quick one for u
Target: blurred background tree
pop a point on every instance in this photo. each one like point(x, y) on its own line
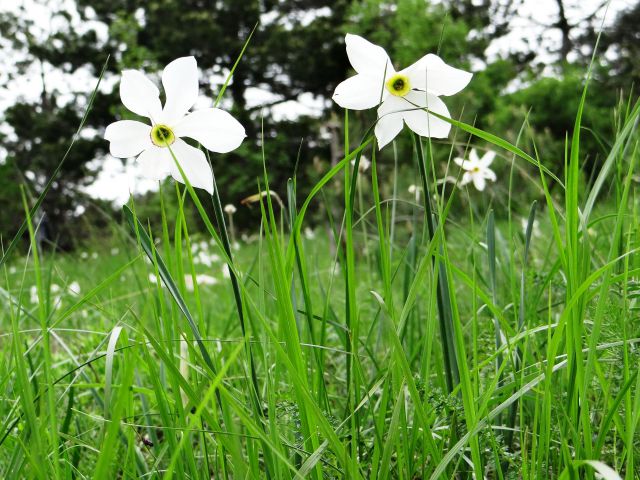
point(296, 54)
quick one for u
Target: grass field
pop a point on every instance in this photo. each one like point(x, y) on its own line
point(398, 339)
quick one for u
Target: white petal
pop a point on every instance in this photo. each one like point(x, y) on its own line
point(127, 138)
point(479, 182)
point(215, 129)
point(432, 74)
point(423, 123)
point(155, 163)
point(466, 178)
point(140, 95)
point(360, 92)
point(473, 156)
point(180, 82)
point(463, 163)
point(194, 164)
point(368, 58)
point(389, 120)
point(487, 158)
point(489, 174)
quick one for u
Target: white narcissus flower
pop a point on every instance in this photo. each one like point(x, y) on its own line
point(477, 169)
point(402, 95)
point(201, 279)
point(213, 128)
point(364, 164)
point(74, 288)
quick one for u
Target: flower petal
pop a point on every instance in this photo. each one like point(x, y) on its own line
point(463, 163)
point(360, 92)
point(487, 158)
point(215, 129)
point(140, 95)
point(155, 163)
point(389, 120)
point(423, 123)
point(368, 58)
point(489, 174)
point(473, 157)
point(127, 138)
point(180, 82)
point(479, 182)
point(194, 164)
point(466, 178)
point(432, 74)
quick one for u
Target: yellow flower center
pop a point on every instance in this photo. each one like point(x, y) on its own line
point(162, 136)
point(398, 85)
point(475, 169)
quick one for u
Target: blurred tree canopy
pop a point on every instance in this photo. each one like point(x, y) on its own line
point(297, 51)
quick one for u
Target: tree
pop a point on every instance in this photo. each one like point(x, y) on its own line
point(147, 35)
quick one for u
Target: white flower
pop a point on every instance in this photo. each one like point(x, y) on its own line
point(477, 169)
point(226, 273)
point(364, 164)
point(115, 251)
point(309, 233)
point(230, 209)
point(84, 255)
point(415, 191)
point(402, 95)
point(213, 128)
point(205, 258)
point(33, 294)
point(94, 255)
point(54, 294)
point(74, 288)
point(201, 280)
point(535, 228)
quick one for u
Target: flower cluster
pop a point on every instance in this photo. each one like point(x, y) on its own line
point(409, 96)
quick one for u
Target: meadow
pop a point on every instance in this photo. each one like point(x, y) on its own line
point(398, 338)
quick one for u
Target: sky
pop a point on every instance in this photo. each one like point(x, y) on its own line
point(116, 180)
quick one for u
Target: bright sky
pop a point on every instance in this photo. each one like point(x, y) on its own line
point(116, 180)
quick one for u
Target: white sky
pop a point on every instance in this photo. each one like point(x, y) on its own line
point(115, 181)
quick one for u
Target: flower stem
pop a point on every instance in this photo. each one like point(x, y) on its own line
point(444, 308)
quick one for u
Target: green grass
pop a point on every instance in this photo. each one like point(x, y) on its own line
point(405, 340)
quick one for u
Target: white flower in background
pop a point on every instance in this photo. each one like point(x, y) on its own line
point(201, 279)
point(33, 294)
point(84, 255)
point(535, 228)
point(415, 191)
point(213, 128)
point(94, 255)
point(115, 251)
point(364, 164)
point(54, 294)
point(309, 233)
point(74, 288)
point(477, 169)
point(12, 270)
point(230, 209)
point(206, 259)
point(402, 95)
point(226, 273)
